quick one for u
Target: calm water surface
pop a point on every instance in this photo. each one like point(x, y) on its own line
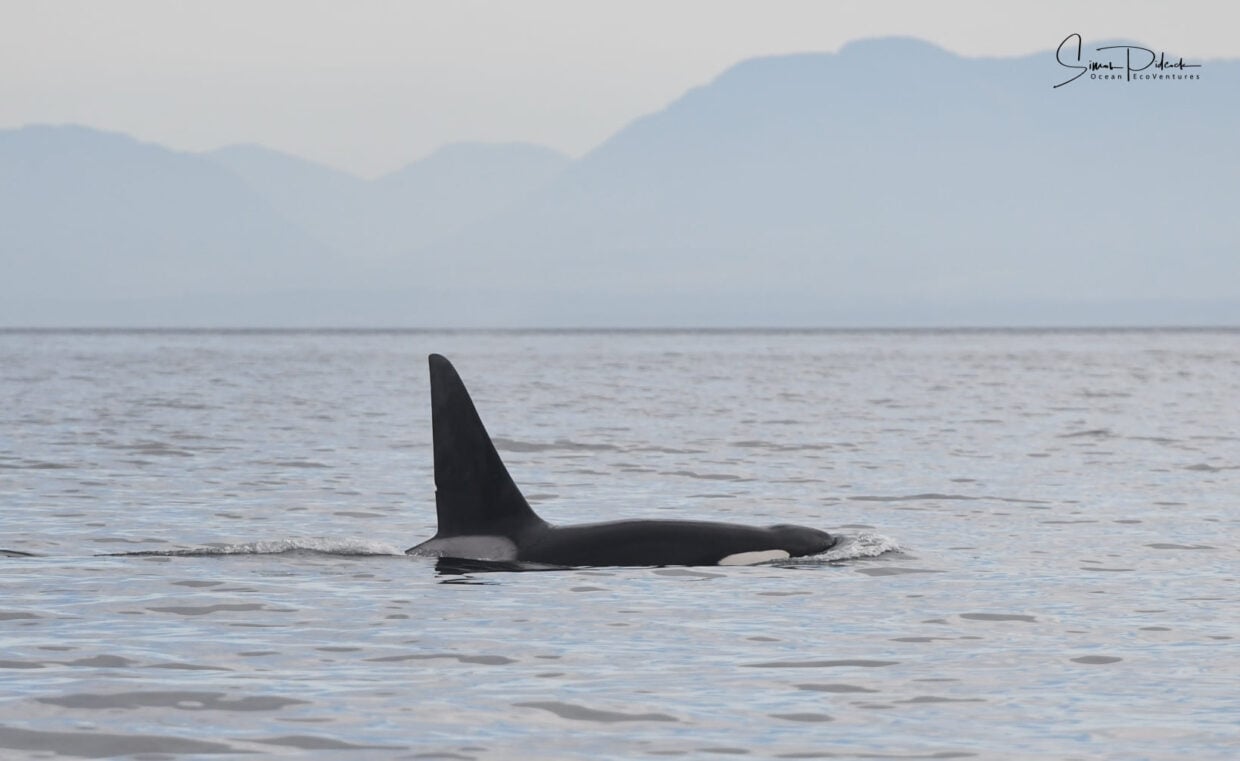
point(1042, 553)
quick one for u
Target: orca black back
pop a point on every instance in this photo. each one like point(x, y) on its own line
point(483, 517)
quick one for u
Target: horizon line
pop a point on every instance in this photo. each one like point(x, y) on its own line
point(667, 330)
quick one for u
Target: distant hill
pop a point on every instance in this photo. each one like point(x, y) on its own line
point(330, 205)
point(896, 183)
point(86, 214)
point(391, 216)
point(891, 183)
point(98, 228)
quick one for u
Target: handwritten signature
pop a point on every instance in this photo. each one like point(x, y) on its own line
point(1145, 58)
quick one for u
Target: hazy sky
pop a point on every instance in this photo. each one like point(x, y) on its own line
point(369, 85)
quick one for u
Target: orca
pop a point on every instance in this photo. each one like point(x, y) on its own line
point(482, 515)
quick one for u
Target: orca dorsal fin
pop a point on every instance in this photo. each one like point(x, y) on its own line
point(474, 495)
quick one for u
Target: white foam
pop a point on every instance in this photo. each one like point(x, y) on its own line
point(324, 545)
point(864, 545)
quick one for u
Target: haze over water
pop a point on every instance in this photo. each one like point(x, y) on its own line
point(1042, 546)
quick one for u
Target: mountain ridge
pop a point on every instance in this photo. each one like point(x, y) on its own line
point(891, 182)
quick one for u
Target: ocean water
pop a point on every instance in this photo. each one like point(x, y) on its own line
point(1041, 555)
